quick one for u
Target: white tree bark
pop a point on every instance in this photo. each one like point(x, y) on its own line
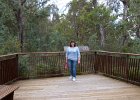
point(102, 36)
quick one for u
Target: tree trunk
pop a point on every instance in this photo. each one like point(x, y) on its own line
point(101, 28)
point(94, 3)
point(102, 36)
point(125, 9)
point(138, 31)
point(125, 12)
point(21, 24)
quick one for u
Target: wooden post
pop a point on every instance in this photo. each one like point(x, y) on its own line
point(96, 62)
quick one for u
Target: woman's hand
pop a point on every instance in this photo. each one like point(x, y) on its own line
point(66, 60)
point(78, 61)
point(66, 66)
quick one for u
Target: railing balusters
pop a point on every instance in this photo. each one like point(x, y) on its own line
point(120, 66)
point(53, 64)
point(44, 64)
point(8, 68)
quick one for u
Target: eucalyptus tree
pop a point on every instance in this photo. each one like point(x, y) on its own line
point(8, 29)
point(74, 13)
point(39, 24)
point(89, 18)
point(134, 17)
point(24, 15)
point(130, 18)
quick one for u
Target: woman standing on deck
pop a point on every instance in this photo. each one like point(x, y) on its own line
point(72, 58)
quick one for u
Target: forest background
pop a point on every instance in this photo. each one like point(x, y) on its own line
point(38, 26)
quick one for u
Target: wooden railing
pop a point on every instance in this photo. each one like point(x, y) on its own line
point(124, 66)
point(8, 68)
point(46, 64)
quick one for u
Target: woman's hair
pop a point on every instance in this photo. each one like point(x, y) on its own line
point(73, 42)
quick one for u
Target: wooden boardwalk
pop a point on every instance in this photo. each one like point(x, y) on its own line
point(86, 87)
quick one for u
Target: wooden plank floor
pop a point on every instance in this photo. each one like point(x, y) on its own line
point(86, 87)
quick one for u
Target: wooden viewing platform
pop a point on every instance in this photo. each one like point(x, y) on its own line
point(86, 87)
point(90, 85)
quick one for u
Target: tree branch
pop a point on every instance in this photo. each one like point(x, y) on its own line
point(22, 2)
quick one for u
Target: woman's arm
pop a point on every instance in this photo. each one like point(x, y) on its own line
point(66, 55)
point(79, 56)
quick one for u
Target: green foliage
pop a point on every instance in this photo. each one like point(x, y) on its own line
point(53, 70)
point(56, 42)
point(7, 19)
point(41, 69)
point(46, 30)
point(10, 45)
point(93, 42)
point(24, 66)
point(133, 46)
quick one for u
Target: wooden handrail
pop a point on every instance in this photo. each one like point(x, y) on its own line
point(121, 53)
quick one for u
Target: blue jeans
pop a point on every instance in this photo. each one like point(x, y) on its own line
point(72, 67)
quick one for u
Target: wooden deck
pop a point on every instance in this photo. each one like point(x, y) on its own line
point(86, 87)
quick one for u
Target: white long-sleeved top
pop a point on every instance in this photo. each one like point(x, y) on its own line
point(73, 53)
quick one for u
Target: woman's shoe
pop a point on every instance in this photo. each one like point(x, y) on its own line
point(74, 79)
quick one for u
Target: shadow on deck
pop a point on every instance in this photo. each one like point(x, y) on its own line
point(86, 87)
